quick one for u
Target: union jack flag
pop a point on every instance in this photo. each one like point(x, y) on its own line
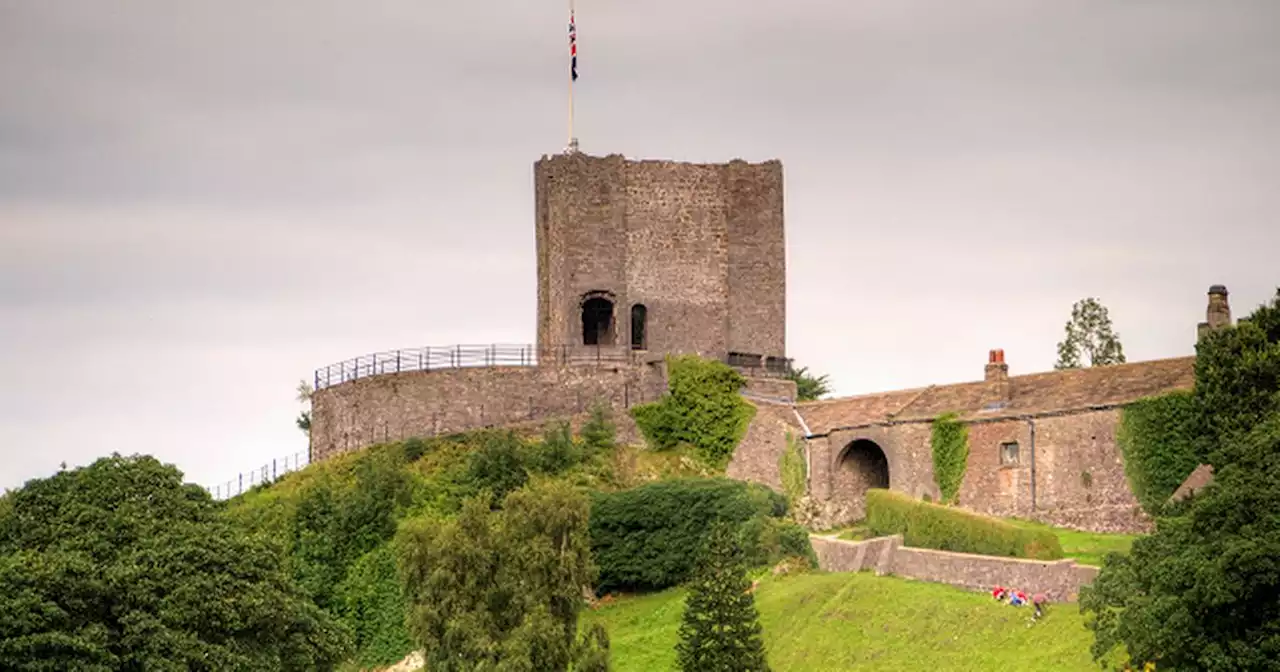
point(573, 49)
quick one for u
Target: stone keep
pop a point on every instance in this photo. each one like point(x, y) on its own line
point(661, 256)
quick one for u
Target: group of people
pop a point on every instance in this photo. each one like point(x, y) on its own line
point(1017, 598)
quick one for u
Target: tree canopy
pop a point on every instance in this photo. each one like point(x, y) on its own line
point(808, 386)
point(1203, 591)
point(1089, 332)
point(121, 566)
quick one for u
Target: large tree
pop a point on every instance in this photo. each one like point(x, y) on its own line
point(1203, 591)
point(720, 630)
point(1089, 332)
point(502, 590)
point(121, 566)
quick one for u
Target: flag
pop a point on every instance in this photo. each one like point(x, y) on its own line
point(573, 49)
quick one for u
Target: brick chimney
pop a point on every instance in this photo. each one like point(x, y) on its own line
point(997, 377)
point(1218, 314)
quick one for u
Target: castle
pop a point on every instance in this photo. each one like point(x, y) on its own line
point(640, 259)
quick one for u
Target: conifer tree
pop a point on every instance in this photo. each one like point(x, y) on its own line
point(720, 631)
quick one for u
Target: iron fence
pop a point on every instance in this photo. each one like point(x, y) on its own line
point(264, 475)
point(432, 358)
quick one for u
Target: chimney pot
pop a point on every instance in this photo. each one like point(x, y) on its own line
point(997, 375)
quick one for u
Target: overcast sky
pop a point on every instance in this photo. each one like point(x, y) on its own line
point(201, 202)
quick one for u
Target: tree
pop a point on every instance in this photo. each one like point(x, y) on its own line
point(1203, 591)
point(720, 630)
point(120, 565)
point(304, 396)
point(1089, 331)
point(809, 387)
point(599, 434)
point(502, 590)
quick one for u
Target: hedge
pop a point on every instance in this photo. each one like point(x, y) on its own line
point(944, 528)
point(647, 538)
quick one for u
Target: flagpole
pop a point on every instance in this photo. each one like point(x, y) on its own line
point(573, 46)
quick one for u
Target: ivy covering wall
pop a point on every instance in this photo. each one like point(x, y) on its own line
point(1158, 441)
point(793, 470)
point(950, 442)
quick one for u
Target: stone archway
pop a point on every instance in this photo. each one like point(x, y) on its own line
point(862, 465)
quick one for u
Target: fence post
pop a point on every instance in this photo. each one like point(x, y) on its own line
point(273, 469)
point(419, 360)
point(397, 361)
point(241, 487)
point(428, 365)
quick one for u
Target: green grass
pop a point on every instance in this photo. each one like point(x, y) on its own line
point(822, 621)
point(1088, 548)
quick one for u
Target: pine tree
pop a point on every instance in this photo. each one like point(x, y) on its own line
point(1089, 330)
point(720, 631)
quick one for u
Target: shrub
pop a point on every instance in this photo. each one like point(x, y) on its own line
point(371, 600)
point(556, 453)
point(599, 435)
point(497, 467)
point(950, 442)
point(925, 525)
point(701, 408)
point(647, 538)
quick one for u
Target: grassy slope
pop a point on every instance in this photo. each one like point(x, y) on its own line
point(1088, 548)
point(823, 621)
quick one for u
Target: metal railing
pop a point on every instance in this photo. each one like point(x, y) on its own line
point(775, 366)
point(267, 473)
point(433, 358)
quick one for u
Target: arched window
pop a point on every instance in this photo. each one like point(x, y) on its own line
point(597, 321)
point(638, 339)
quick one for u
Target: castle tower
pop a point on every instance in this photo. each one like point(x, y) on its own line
point(661, 257)
point(1218, 313)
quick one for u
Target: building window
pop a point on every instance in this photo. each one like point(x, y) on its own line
point(1009, 453)
point(638, 316)
point(597, 321)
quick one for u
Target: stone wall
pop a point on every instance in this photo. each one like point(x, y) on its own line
point(1079, 478)
point(756, 457)
point(356, 414)
point(1058, 580)
point(700, 246)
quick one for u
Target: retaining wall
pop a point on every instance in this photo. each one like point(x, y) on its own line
point(366, 411)
point(1058, 580)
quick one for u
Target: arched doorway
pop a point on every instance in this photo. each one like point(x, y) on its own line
point(597, 321)
point(861, 467)
point(639, 339)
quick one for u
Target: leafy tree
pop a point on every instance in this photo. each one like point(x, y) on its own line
point(304, 396)
point(1203, 591)
point(497, 467)
point(121, 566)
point(1089, 332)
point(502, 590)
point(720, 630)
point(808, 386)
point(557, 452)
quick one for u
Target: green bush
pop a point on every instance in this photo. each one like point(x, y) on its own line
point(702, 408)
point(371, 601)
point(1158, 441)
point(950, 443)
point(925, 525)
point(647, 538)
point(556, 453)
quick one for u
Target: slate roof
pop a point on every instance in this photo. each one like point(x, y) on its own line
point(1031, 394)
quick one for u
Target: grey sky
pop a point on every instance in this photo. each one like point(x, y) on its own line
point(201, 202)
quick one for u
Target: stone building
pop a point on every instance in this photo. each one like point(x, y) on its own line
point(1041, 445)
point(639, 259)
point(661, 257)
point(636, 260)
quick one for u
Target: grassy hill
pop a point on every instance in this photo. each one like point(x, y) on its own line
point(822, 621)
